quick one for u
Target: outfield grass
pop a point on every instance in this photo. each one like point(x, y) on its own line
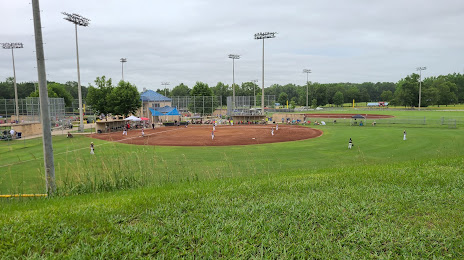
point(77, 171)
point(386, 198)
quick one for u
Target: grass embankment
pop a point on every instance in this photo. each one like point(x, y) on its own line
point(409, 209)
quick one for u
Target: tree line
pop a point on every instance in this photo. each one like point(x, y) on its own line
point(440, 90)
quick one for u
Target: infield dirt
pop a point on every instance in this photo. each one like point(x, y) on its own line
point(200, 135)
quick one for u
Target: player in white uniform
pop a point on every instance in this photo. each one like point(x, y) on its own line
point(404, 135)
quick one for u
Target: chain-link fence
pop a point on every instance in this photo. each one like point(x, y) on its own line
point(248, 105)
point(201, 105)
point(29, 110)
point(443, 122)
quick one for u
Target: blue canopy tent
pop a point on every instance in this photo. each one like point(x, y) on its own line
point(155, 112)
point(173, 112)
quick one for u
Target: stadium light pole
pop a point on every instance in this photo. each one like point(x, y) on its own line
point(49, 163)
point(164, 83)
point(76, 19)
point(262, 36)
point(307, 71)
point(254, 88)
point(420, 69)
point(12, 46)
point(233, 57)
point(123, 60)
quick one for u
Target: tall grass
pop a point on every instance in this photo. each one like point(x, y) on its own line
point(396, 210)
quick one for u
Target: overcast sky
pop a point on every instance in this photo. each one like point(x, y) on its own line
point(187, 41)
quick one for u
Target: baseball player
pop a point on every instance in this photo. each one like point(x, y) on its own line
point(404, 135)
point(124, 131)
point(350, 143)
point(277, 127)
point(272, 131)
point(212, 135)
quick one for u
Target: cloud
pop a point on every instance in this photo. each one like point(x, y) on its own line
point(188, 41)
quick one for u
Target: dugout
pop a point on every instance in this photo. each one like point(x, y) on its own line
point(249, 118)
point(109, 126)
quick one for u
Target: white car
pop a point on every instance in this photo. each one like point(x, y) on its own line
point(318, 108)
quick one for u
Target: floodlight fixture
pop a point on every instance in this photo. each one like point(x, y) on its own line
point(233, 57)
point(12, 46)
point(122, 67)
point(262, 36)
point(420, 69)
point(77, 19)
point(164, 83)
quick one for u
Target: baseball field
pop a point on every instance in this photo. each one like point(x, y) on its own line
point(300, 193)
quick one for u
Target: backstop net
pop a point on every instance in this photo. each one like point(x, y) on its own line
point(199, 105)
point(248, 105)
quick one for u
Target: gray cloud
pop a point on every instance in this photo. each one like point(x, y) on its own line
point(189, 41)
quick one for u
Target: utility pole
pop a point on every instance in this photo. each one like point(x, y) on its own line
point(233, 57)
point(81, 21)
point(254, 88)
point(262, 36)
point(164, 83)
point(122, 65)
point(43, 95)
point(307, 71)
point(420, 69)
point(12, 46)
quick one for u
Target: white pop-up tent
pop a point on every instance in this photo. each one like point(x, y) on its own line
point(132, 118)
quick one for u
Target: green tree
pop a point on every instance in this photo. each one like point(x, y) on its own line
point(6, 90)
point(124, 99)
point(292, 104)
point(338, 98)
point(181, 90)
point(386, 95)
point(447, 93)
point(97, 97)
point(51, 93)
point(314, 103)
point(223, 91)
point(200, 103)
point(201, 89)
point(407, 91)
point(283, 97)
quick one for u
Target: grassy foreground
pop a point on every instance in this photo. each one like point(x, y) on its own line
point(118, 166)
point(409, 210)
